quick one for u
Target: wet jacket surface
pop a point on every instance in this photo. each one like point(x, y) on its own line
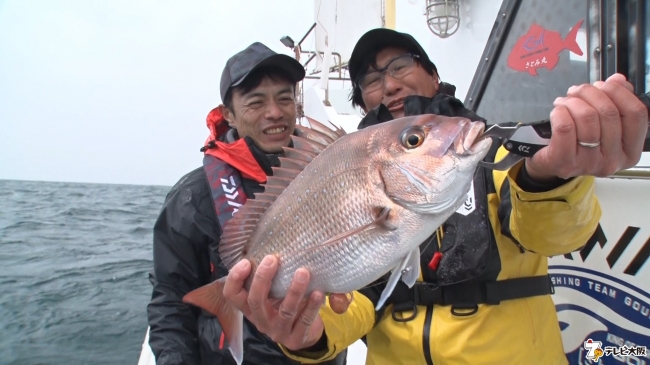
point(526, 226)
point(186, 234)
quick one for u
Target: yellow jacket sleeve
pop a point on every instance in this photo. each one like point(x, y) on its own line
point(549, 223)
point(342, 330)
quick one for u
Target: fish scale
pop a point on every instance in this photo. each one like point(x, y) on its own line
point(349, 208)
point(316, 229)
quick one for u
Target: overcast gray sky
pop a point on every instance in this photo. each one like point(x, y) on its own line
point(117, 91)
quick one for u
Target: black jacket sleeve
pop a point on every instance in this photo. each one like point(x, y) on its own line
point(182, 236)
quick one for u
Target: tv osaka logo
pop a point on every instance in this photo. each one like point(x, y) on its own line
point(595, 350)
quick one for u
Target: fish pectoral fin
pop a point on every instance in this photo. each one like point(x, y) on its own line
point(395, 276)
point(210, 297)
point(411, 272)
point(380, 221)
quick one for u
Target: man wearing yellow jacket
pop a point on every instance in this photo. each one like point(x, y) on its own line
point(483, 296)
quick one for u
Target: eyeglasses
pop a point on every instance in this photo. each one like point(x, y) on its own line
point(397, 69)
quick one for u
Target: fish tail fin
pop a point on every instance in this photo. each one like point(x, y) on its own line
point(210, 297)
point(570, 42)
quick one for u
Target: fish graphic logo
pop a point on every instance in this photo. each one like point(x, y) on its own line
point(541, 47)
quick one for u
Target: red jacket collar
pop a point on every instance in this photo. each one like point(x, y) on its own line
point(236, 154)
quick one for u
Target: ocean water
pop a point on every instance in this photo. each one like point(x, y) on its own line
point(74, 266)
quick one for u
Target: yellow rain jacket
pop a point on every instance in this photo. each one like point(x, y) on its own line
point(518, 331)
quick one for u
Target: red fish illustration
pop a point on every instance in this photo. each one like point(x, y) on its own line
point(541, 48)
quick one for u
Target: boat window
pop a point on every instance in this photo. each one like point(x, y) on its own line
point(538, 49)
point(544, 53)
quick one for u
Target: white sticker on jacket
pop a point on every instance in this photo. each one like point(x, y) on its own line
point(470, 202)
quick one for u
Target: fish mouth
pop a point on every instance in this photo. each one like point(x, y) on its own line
point(470, 141)
point(460, 137)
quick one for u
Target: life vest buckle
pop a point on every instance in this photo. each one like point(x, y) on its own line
point(403, 307)
point(464, 310)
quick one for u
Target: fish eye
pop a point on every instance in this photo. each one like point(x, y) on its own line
point(412, 138)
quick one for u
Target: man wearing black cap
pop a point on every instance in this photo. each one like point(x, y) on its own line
point(247, 133)
point(484, 292)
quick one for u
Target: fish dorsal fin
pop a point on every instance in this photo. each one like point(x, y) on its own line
point(334, 134)
point(314, 135)
point(300, 155)
point(259, 203)
point(266, 197)
point(292, 164)
point(284, 172)
point(308, 143)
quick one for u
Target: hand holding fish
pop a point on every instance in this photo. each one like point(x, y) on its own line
point(597, 130)
point(294, 321)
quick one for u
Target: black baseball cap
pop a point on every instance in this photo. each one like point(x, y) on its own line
point(379, 38)
point(252, 58)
